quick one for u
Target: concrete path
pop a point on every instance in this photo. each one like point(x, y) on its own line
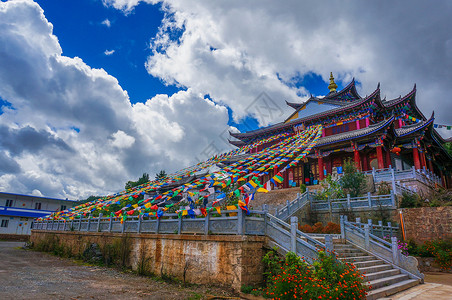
point(438, 286)
point(26, 274)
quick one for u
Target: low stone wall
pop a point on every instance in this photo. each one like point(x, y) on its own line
point(428, 223)
point(14, 237)
point(213, 259)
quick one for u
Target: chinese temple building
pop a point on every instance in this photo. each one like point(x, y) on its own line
point(375, 133)
point(314, 141)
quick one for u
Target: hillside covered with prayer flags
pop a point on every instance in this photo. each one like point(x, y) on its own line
point(198, 190)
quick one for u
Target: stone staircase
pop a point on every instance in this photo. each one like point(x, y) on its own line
point(384, 279)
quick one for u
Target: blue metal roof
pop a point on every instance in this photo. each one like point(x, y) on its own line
point(23, 212)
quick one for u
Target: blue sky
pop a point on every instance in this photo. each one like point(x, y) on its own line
point(81, 32)
point(181, 74)
point(128, 35)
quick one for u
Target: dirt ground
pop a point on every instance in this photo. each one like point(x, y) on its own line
point(26, 274)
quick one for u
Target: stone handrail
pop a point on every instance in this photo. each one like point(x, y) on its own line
point(392, 175)
point(389, 252)
point(379, 230)
point(289, 238)
point(293, 206)
point(349, 203)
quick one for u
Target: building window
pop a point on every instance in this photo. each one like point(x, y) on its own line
point(63, 207)
point(4, 223)
point(38, 205)
point(9, 203)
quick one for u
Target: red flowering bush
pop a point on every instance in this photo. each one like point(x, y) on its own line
point(330, 228)
point(441, 250)
point(326, 278)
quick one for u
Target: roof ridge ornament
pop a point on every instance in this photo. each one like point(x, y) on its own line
point(332, 86)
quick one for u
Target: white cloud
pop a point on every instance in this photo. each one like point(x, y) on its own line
point(106, 22)
point(233, 50)
point(109, 52)
point(122, 140)
point(51, 94)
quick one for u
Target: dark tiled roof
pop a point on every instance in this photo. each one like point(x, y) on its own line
point(237, 143)
point(406, 130)
point(354, 133)
point(392, 102)
point(282, 125)
point(324, 100)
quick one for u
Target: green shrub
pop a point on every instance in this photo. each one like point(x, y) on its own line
point(409, 200)
point(246, 289)
point(302, 188)
point(352, 182)
point(330, 189)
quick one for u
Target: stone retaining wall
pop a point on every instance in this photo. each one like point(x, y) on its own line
point(428, 223)
point(213, 259)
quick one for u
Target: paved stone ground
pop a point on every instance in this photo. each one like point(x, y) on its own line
point(26, 274)
point(438, 286)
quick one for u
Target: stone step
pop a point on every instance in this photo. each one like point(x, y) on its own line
point(347, 251)
point(357, 258)
point(374, 269)
point(369, 263)
point(381, 274)
point(392, 289)
point(387, 281)
point(354, 254)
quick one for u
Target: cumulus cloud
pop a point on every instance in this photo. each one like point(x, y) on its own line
point(71, 131)
point(106, 22)
point(109, 52)
point(234, 50)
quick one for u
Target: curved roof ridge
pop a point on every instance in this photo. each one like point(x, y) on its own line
point(351, 87)
point(406, 130)
point(354, 134)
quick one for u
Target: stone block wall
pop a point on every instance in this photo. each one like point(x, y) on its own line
point(213, 259)
point(427, 223)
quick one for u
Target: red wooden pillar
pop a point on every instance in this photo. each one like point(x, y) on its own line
point(381, 164)
point(388, 158)
point(286, 179)
point(320, 161)
point(423, 160)
point(430, 165)
point(357, 159)
point(365, 162)
point(357, 125)
point(417, 163)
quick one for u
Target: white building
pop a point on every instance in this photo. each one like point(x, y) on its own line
point(18, 211)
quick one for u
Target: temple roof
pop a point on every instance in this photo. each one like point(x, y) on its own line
point(347, 94)
point(282, 125)
point(312, 98)
point(406, 130)
point(354, 134)
point(236, 143)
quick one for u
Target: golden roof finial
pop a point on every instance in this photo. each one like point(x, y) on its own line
point(333, 86)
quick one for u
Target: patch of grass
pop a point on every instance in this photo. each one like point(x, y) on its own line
point(195, 296)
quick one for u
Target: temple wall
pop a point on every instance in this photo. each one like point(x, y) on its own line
point(226, 260)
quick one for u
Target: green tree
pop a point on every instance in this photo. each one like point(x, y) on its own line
point(161, 175)
point(353, 182)
point(142, 180)
point(448, 147)
point(91, 198)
